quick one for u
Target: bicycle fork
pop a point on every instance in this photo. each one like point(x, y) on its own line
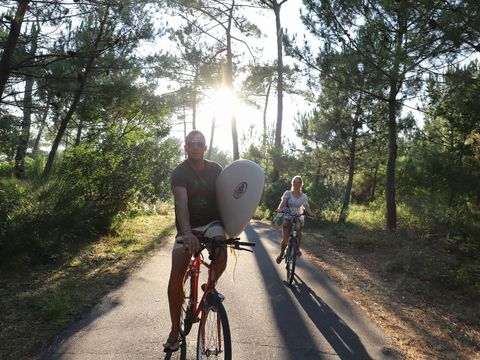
point(212, 299)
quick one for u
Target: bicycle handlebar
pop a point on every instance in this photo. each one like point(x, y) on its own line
point(232, 242)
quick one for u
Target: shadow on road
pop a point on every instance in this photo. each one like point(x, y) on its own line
point(297, 337)
point(346, 343)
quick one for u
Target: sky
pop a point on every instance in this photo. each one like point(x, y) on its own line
point(249, 117)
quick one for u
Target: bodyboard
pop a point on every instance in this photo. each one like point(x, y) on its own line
point(239, 190)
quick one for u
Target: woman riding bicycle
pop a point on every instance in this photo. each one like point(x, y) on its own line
point(297, 202)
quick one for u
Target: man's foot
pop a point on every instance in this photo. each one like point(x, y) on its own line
point(279, 258)
point(172, 344)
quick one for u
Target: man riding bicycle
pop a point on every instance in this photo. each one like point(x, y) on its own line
point(296, 202)
point(193, 187)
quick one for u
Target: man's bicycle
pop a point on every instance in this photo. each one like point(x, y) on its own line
point(213, 339)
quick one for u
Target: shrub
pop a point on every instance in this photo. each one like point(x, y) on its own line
point(12, 196)
point(83, 197)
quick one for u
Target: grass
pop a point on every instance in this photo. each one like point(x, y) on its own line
point(38, 303)
point(412, 247)
point(408, 281)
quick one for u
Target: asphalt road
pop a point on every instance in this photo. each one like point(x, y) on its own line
point(268, 319)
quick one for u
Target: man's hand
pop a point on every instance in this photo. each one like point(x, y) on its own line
point(191, 243)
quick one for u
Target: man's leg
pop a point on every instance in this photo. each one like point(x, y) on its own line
point(180, 260)
point(219, 263)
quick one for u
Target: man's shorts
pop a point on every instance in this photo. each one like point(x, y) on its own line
point(213, 229)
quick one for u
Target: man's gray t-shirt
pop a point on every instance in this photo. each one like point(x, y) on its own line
point(201, 191)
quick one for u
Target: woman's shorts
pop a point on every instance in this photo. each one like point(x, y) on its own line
point(288, 222)
point(213, 229)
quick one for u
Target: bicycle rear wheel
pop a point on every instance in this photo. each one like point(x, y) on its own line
point(214, 340)
point(291, 260)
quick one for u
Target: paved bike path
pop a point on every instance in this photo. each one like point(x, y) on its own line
point(268, 320)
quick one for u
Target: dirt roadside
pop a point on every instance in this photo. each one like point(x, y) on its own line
point(424, 322)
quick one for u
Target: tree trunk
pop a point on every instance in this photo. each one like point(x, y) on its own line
point(392, 158)
point(351, 172)
point(27, 114)
point(278, 128)
point(374, 186)
point(11, 43)
point(395, 85)
point(212, 132)
point(229, 80)
point(76, 99)
point(25, 131)
point(41, 127)
point(194, 101)
point(267, 98)
point(78, 138)
point(317, 174)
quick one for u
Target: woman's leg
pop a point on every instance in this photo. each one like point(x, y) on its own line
point(283, 245)
point(299, 240)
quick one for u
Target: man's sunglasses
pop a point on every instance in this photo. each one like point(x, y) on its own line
point(197, 144)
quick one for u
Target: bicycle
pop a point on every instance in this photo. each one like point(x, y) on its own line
point(291, 250)
point(213, 339)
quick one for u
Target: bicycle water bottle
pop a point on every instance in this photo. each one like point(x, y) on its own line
point(294, 232)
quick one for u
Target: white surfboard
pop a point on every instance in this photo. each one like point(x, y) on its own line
point(239, 190)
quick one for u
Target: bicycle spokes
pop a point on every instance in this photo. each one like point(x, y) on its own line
point(214, 334)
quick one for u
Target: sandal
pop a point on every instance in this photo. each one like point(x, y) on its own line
point(172, 345)
point(279, 258)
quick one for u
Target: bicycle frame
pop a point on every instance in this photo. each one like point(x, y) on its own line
point(214, 330)
point(193, 272)
point(293, 230)
point(291, 253)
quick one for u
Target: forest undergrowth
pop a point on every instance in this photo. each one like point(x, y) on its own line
point(39, 302)
point(398, 283)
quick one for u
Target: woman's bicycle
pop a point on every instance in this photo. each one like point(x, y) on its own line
point(292, 249)
point(213, 339)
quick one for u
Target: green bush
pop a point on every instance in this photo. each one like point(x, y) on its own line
point(84, 195)
point(273, 193)
point(325, 198)
point(12, 196)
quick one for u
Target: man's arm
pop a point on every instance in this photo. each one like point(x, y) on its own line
point(190, 241)
point(181, 209)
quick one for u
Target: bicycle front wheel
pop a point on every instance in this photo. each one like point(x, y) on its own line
point(186, 317)
point(291, 260)
point(214, 340)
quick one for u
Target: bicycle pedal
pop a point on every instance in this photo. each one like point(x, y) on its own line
point(214, 298)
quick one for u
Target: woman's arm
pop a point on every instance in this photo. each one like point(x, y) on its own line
point(283, 202)
point(307, 210)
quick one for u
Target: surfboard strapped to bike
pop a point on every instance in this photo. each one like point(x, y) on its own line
point(239, 190)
